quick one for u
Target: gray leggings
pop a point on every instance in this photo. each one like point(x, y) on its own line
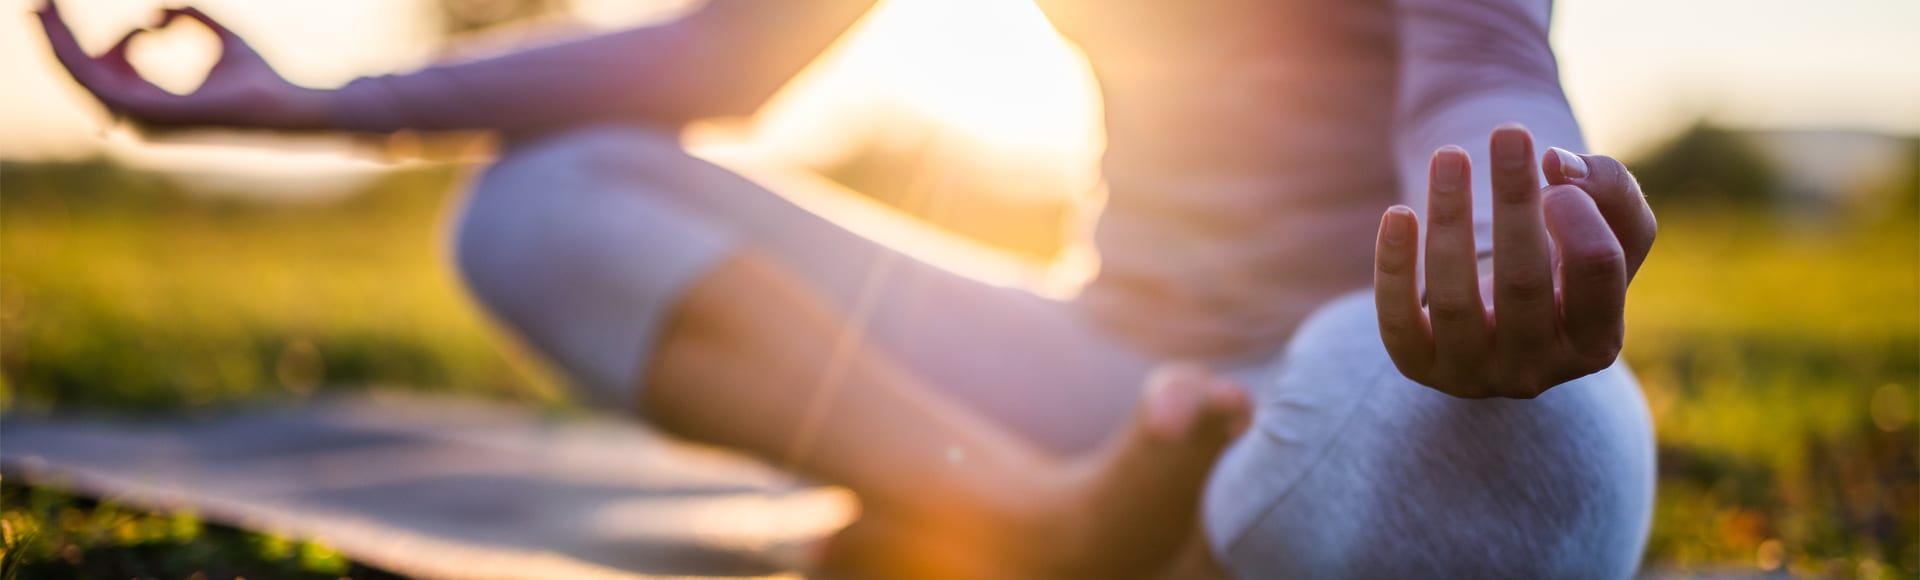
point(581, 243)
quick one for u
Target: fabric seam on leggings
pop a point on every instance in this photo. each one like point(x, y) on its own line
point(1319, 457)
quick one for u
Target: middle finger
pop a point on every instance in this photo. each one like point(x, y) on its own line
point(1523, 296)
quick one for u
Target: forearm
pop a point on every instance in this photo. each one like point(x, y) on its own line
point(1468, 66)
point(724, 59)
point(547, 86)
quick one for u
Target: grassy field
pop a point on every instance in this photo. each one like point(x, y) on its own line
point(120, 292)
point(1780, 368)
point(1779, 358)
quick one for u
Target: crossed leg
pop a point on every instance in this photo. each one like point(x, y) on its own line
point(625, 216)
point(946, 408)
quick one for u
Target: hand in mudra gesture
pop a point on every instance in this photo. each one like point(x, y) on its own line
point(241, 90)
point(1556, 311)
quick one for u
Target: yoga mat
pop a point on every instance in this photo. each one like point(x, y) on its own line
point(446, 488)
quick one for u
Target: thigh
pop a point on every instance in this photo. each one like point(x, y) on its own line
point(1353, 471)
point(1029, 362)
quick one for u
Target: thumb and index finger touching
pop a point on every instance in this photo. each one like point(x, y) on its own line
point(67, 47)
point(1615, 192)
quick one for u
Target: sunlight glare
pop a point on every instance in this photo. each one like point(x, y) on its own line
point(992, 71)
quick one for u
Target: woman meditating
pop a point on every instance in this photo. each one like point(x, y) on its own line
point(1467, 418)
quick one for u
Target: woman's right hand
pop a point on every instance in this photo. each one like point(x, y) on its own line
point(240, 91)
point(1563, 256)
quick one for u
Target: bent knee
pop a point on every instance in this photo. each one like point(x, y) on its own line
point(544, 197)
point(580, 260)
point(1355, 471)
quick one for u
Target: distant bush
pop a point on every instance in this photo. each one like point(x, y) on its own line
point(1711, 165)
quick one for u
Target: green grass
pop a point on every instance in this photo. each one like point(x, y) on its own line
point(49, 534)
point(1780, 365)
point(119, 292)
point(1779, 358)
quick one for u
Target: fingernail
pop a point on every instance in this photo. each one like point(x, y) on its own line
point(1397, 218)
point(1170, 412)
point(1448, 168)
point(1571, 165)
point(1510, 147)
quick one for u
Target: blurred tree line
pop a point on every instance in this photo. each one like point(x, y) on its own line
point(1707, 166)
point(1710, 164)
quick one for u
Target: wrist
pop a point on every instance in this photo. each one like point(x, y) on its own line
point(366, 105)
point(308, 109)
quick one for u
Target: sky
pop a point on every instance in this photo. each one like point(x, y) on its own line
point(1636, 71)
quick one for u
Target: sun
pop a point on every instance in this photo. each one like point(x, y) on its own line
point(993, 71)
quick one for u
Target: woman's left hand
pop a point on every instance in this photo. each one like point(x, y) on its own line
point(241, 90)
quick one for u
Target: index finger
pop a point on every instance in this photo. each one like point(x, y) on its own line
point(202, 18)
point(1592, 272)
point(65, 47)
point(1618, 196)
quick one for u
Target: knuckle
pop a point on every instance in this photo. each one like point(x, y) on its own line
point(1454, 309)
point(1603, 252)
point(1601, 264)
point(1600, 355)
point(1392, 263)
point(1447, 214)
point(1516, 194)
point(1526, 288)
point(1398, 332)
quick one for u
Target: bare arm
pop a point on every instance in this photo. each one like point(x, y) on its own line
point(725, 58)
